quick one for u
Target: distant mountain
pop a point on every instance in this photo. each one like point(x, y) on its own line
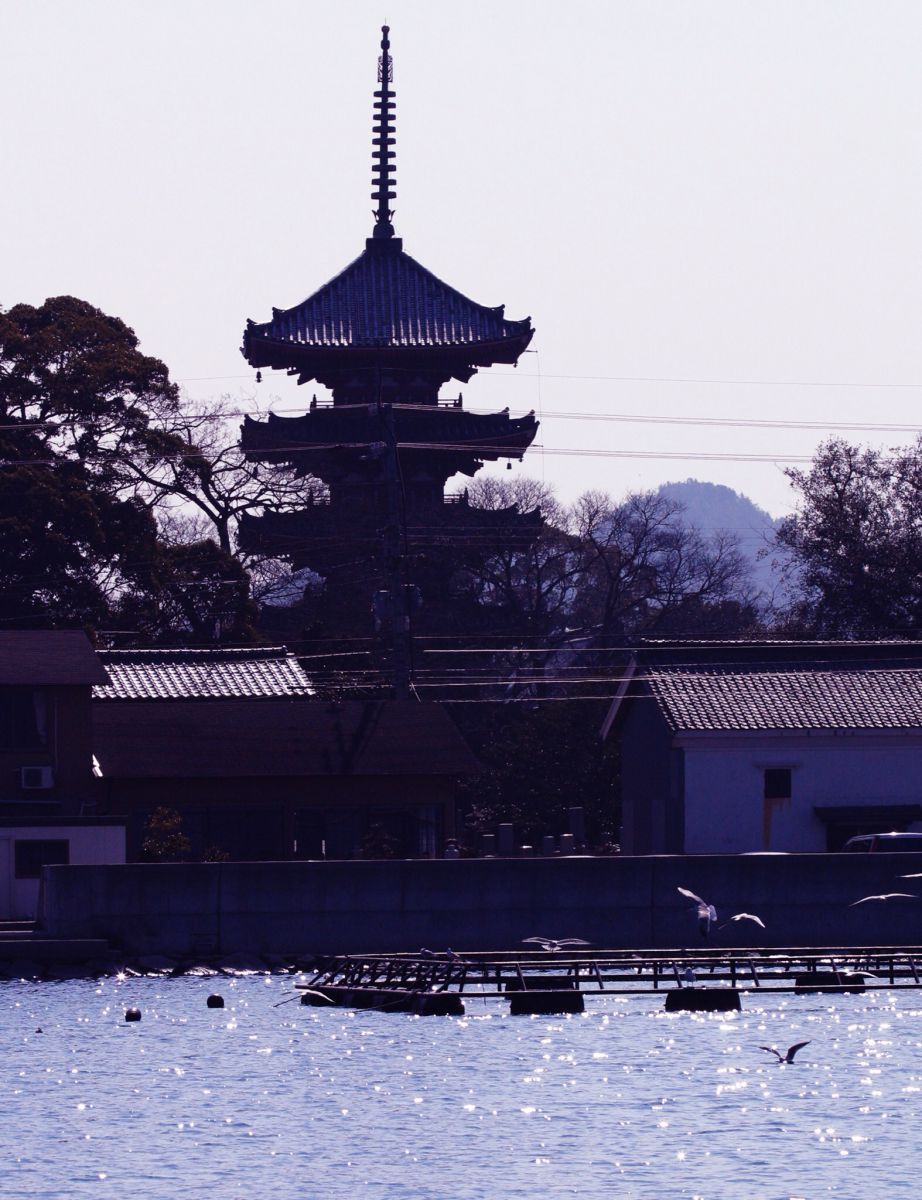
point(712, 507)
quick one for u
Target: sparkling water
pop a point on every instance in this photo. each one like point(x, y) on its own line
point(269, 1099)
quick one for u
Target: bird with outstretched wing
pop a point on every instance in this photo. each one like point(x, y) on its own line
point(788, 1056)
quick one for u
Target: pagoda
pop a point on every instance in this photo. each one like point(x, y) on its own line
point(384, 336)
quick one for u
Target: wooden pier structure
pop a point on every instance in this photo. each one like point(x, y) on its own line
point(428, 983)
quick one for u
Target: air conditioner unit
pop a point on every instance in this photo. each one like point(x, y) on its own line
point(36, 778)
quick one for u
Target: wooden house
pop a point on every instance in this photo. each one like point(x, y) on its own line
point(259, 768)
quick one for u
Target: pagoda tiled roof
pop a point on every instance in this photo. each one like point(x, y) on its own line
point(385, 298)
point(251, 673)
point(743, 698)
point(486, 435)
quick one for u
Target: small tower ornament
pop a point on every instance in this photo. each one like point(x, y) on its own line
point(382, 179)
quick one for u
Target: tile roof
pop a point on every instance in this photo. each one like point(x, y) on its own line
point(384, 298)
point(486, 435)
point(272, 737)
point(762, 699)
point(202, 674)
point(39, 657)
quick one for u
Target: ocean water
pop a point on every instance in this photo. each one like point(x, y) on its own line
point(271, 1099)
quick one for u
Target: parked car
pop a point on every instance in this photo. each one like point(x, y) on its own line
point(889, 843)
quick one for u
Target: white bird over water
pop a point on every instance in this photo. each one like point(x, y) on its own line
point(743, 917)
point(554, 945)
point(788, 1056)
point(306, 991)
point(886, 896)
point(706, 912)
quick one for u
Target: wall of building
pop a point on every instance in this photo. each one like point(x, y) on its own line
point(725, 809)
point(208, 909)
point(66, 749)
point(651, 783)
point(86, 844)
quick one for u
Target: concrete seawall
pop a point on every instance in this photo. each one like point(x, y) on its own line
point(481, 904)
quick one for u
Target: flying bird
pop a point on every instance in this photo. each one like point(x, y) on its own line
point(306, 991)
point(743, 917)
point(886, 896)
point(706, 912)
point(554, 945)
point(787, 1057)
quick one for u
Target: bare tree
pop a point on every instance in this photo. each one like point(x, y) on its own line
point(198, 477)
point(642, 563)
point(617, 567)
point(526, 577)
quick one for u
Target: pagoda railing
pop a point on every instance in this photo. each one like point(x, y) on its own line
point(399, 402)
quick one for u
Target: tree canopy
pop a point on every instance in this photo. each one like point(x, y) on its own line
point(83, 415)
point(854, 544)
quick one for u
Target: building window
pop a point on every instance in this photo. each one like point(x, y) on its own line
point(777, 783)
point(22, 718)
point(31, 854)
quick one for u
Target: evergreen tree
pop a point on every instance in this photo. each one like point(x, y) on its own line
point(854, 544)
point(83, 414)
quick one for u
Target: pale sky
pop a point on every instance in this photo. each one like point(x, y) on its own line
point(711, 209)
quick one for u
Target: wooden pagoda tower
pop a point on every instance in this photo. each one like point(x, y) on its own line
point(384, 336)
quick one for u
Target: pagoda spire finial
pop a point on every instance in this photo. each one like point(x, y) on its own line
point(383, 180)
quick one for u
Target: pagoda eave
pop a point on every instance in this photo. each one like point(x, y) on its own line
point(314, 436)
point(314, 536)
point(313, 362)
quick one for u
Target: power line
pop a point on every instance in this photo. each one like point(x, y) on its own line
point(810, 383)
point(563, 415)
point(706, 381)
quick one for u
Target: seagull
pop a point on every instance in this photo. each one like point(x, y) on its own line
point(706, 912)
point(743, 917)
point(306, 991)
point(886, 896)
point(553, 945)
point(788, 1057)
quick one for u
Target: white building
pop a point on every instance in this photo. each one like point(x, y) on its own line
point(770, 746)
point(48, 782)
point(26, 846)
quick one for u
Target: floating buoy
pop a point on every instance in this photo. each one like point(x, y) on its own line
point(132, 1014)
point(214, 1001)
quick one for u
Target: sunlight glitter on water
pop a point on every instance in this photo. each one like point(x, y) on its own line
point(622, 1101)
